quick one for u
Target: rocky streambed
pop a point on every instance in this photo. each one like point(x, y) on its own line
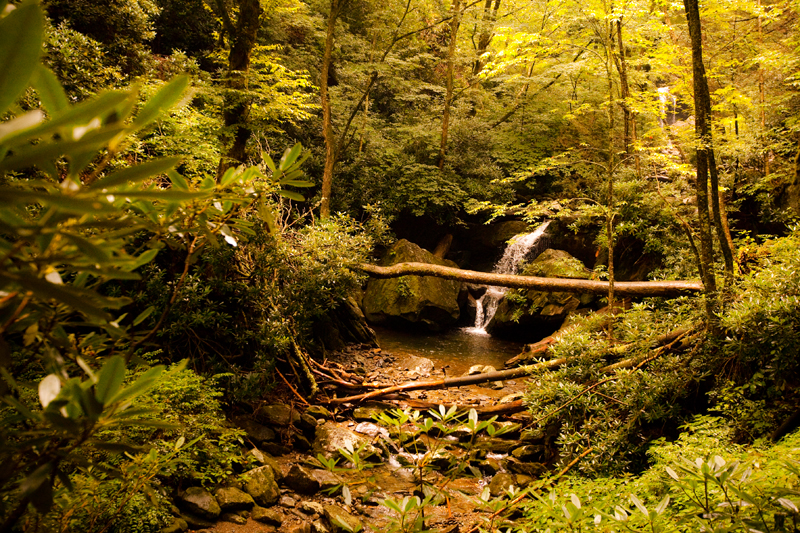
point(334, 468)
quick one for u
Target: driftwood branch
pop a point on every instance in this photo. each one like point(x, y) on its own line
point(668, 289)
point(452, 382)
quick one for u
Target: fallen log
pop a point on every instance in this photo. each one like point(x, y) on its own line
point(452, 382)
point(669, 289)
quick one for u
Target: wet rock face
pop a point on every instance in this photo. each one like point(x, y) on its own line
point(199, 502)
point(427, 302)
point(233, 499)
point(301, 480)
point(539, 313)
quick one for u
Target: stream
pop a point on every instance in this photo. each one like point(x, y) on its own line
point(456, 350)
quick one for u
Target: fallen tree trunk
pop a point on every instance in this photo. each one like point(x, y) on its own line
point(670, 289)
point(452, 382)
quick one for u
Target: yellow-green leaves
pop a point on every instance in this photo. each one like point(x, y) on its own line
point(20, 47)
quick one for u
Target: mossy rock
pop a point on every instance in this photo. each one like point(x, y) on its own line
point(427, 302)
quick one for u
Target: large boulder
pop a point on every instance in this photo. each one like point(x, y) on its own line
point(332, 437)
point(427, 302)
point(531, 315)
point(261, 485)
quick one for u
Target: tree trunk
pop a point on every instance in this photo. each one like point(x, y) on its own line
point(667, 289)
point(327, 124)
point(237, 109)
point(702, 106)
point(610, 177)
point(455, 22)
point(486, 34)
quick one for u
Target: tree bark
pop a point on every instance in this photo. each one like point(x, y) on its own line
point(325, 100)
point(669, 289)
point(702, 105)
point(455, 22)
point(237, 109)
point(490, 10)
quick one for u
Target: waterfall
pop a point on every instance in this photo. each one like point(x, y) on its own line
point(520, 247)
point(667, 105)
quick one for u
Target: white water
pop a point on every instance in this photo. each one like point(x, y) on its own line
point(508, 264)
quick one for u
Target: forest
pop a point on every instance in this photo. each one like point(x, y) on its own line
point(232, 233)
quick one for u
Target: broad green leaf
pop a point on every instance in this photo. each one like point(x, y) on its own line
point(144, 258)
point(80, 300)
point(163, 100)
point(20, 46)
point(289, 157)
point(68, 204)
point(110, 378)
point(297, 183)
point(291, 195)
point(90, 249)
point(178, 181)
point(140, 386)
point(49, 90)
point(143, 315)
point(20, 123)
point(137, 173)
point(166, 195)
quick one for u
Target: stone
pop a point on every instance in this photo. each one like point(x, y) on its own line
point(319, 412)
point(494, 445)
point(427, 302)
point(303, 527)
point(331, 437)
point(534, 470)
point(258, 433)
point(418, 367)
point(501, 483)
point(365, 413)
point(529, 453)
point(541, 313)
point(233, 518)
point(267, 460)
point(261, 485)
point(178, 524)
point(301, 480)
point(318, 526)
point(371, 430)
point(266, 516)
point(311, 508)
point(287, 501)
point(278, 415)
point(326, 479)
point(340, 520)
point(196, 522)
point(200, 502)
point(307, 423)
point(233, 499)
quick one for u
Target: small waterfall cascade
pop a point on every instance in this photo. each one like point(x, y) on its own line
point(513, 255)
point(667, 104)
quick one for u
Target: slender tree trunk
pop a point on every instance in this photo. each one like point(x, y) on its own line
point(625, 92)
point(702, 105)
point(327, 124)
point(237, 109)
point(487, 32)
point(610, 177)
point(455, 22)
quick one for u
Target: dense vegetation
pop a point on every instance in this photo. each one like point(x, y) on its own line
point(158, 262)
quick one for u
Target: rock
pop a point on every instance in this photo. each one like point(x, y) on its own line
point(318, 526)
point(261, 485)
point(501, 483)
point(303, 527)
point(494, 445)
point(340, 520)
point(256, 432)
point(273, 448)
point(332, 437)
point(319, 412)
point(371, 430)
point(541, 313)
point(301, 480)
point(196, 522)
point(365, 413)
point(513, 397)
point(233, 499)
point(419, 367)
point(179, 524)
point(529, 453)
point(311, 508)
point(535, 470)
point(307, 423)
point(424, 301)
point(266, 516)
point(233, 518)
point(287, 501)
point(267, 460)
point(278, 415)
point(326, 479)
point(299, 441)
point(200, 502)
point(533, 436)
